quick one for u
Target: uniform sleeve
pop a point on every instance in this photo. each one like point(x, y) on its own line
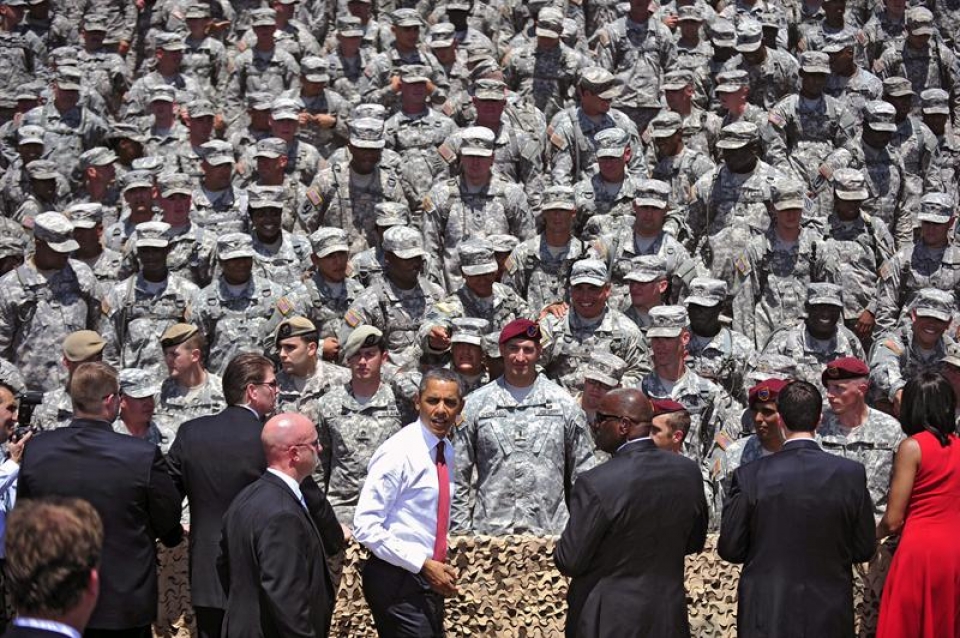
point(888, 294)
point(461, 513)
point(580, 448)
point(885, 373)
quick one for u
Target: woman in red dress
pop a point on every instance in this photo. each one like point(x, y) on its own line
point(921, 597)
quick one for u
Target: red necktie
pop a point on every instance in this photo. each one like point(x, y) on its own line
point(443, 507)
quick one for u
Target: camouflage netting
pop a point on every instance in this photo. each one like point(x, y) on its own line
point(509, 587)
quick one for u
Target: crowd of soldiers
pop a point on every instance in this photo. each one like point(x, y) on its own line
point(692, 199)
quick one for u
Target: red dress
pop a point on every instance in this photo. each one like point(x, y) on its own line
point(921, 596)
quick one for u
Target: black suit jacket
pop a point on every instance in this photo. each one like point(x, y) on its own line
point(632, 520)
point(798, 520)
point(212, 459)
point(128, 482)
point(28, 632)
point(272, 566)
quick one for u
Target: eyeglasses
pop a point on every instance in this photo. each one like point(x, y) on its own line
point(603, 418)
point(273, 385)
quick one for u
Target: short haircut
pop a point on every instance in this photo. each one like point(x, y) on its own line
point(441, 374)
point(800, 405)
point(929, 405)
point(676, 421)
point(90, 383)
point(243, 370)
point(195, 342)
point(52, 547)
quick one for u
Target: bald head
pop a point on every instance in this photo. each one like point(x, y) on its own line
point(628, 402)
point(624, 414)
point(288, 440)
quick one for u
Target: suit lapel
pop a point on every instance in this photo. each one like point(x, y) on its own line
point(270, 477)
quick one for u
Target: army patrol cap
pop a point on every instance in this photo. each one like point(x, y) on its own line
point(706, 292)
point(295, 327)
point(170, 42)
point(367, 132)
point(935, 102)
point(722, 33)
point(689, 13)
point(732, 81)
point(404, 242)
point(766, 391)
point(197, 10)
point(459, 5)
point(235, 246)
point(175, 183)
point(646, 268)
point(837, 42)
point(29, 135)
point(391, 214)
point(42, 169)
point(414, 73)
point(217, 152)
point(738, 135)
point(95, 22)
point(824, 294)
point(665, 124)
point(263, 18)
point(600, 82)
point(163, 93)
point(476, 258)
point(844, 368)
point(284, 108)
point(259, 196)
point(897, 87)
point(520, 328)
point(768, 19)
point(86, 215)
point(491, 346)
point(814, 62)
point(406, 18)
point(469, 330)
point(612, 142)
point(259, 101)
point(936, 208)
point(677, 80)
point(559, 198)
point(605, 367)
point(667, 321)
point(271, 147)
point(653, 193)
point(749, 36)
point(934, 303)
point(441, 35)
point(490, 89)
point(328, 240)
point(153, 164)
point(349, 27)
point(952, 355)
point(503, 243)
point(849, 184)
point(177, 334)
point(201, 108)
point(97, 156)
point(126, 130)
point(549, 23)
point(370, 110)
point(477, 141)
point(787, 194)
point(137, 384)
point(69, 78)
point(364, 336)
point(920, 21)
point(137, 178)
point(152, 235)
point(589, 271)
point(8, 100)
point(12, 245)
point(879, 116)
point(81, 345)
point(314, 69)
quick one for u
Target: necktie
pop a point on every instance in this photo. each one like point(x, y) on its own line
point(443, 506)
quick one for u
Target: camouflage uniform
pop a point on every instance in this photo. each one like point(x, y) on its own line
point(176, 404)
point(206, 61)
point(680, 171)
point(501, 308)
point(771, 81)
point(308, 395)
point(881, 31)
point(526, 456)
point(327, 302)
point(328, 102)
point(855, 91)
point(55, 411)
point(136, 102)
point(273, 72)
point(602, 205)
point(19, 55)
point(896, 358)
point(537, 274)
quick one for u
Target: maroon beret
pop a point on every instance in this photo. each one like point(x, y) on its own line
point(666, 406)
point(844, 368)
point(766, 391)
point(520, 328)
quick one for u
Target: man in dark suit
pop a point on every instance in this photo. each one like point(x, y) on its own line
point(272, 563)
point(798, 520)
point(632, 520)
point(53, 572)
point(127, 481)
point(212, 459)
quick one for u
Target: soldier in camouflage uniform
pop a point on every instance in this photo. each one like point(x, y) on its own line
point(647, 285)
point(104, 71)
point(590, 325)
point(674, 162)
point(56, 409)
point(328, 291)
point(936, 114)
point(168, 71)
point(849, 82)
point(397, 302)
point(304, 378)
point(15, 182)
point(933, 261)
point(280, 256)
point(602, 373)
point(48, 190)
point(218, 206)
point(205, 58)
point(166, 135)
point(323, 120)
point(527, 447)
point(466, 351)
point(44, 300)
point(262, 67)
point(106, 264)
point(139, 309)
point(819, 338)
point(137, 188)
point(251, 126)
point(348, 61)
point(137, 404)
point(714, 414)
point(904, 353)
point(538, 269)
point(915, 143)
point(270, 161)
point(605, 200)
point(700, 128)
point(773, 72)
point(99, 182)
point(290, 35)
point(368, 264)
point(239, 311)
point(477, 203)
point(853, 430)
point(714, 351)
point(191, 247)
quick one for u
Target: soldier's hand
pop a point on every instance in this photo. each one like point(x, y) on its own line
point(218, 123)
point(865, 323)
point(123, 47)
point(241, 46)
point(325, 120)
point(395, 84)
point(347, 532)
point(304, 118)
point(558, 310)
point(331, 349)
point(439, 338)
point(15, 450)
point(440, 576)
point(431, 87)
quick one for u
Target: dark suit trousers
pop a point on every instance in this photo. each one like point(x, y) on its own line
point(403, 604)
point(209, 621)
point(133, 632)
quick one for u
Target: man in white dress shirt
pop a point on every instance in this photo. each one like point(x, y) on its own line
point(403, 515)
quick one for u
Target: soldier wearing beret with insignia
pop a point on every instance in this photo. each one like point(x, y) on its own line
point(304, 376)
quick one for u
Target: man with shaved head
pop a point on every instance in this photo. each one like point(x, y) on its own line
point(632, 520)
point(272, 560)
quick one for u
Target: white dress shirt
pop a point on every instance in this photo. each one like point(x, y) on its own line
point(9, 471)
point(47, 625)
point(396, 516)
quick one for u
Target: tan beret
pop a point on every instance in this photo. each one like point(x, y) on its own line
point(82, 345)
point(295, 327)
point(177, 334)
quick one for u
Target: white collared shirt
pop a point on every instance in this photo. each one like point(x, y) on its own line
point(396, 516)
point(292, 484)
point(802, 438)
point(631, 442)
point(47, 625)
